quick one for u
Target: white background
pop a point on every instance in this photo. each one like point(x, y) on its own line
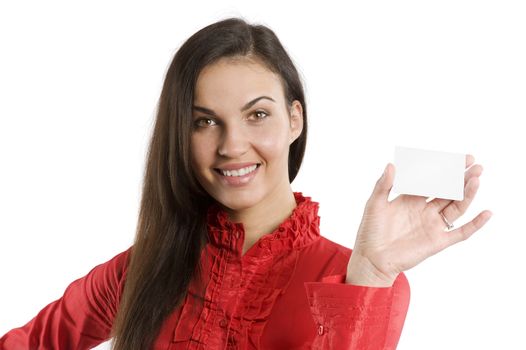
point(79, 84)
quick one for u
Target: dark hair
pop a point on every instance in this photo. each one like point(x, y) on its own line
point(172, 227)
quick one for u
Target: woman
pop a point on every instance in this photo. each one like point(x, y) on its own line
point(226, 254)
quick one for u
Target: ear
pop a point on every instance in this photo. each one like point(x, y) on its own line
point(296, 120)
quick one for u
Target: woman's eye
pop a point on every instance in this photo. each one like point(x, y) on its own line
point(204, 122)
point(260, 115)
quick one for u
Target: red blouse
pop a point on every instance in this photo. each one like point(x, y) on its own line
point(287, 291)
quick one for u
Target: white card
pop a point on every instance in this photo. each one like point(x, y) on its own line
point(429, 173)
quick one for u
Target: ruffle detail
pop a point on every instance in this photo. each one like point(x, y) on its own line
point(242, 290)
point(301, 228)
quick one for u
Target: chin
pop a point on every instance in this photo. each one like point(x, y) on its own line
point(239, 200)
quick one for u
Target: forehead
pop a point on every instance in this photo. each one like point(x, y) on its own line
point(236, 80)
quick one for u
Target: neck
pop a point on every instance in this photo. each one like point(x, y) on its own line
point(264, 218)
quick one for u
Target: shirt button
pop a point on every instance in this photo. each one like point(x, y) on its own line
point(320, 329)
point(237, 234)
point(223, 323)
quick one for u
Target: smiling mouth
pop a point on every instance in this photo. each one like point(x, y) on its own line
point(238, 172)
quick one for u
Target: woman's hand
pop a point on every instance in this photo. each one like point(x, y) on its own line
point(395, 236)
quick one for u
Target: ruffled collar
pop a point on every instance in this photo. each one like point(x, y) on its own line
point(298, 230)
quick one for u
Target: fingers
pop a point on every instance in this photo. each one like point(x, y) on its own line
point(472, 173)
point(456, 209)
point(465, 231)
point(470, 159)
point(383, 186)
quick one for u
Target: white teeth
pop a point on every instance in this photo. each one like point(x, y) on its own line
point(239, 172)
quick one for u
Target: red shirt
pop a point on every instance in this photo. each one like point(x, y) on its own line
point(287, 291)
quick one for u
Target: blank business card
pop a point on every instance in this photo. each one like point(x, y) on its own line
point(429, 173)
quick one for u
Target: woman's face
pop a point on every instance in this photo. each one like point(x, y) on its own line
point(242, 130)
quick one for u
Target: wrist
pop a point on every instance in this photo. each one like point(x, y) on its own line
point(361, 272)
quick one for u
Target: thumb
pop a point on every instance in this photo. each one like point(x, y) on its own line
point(384, 184)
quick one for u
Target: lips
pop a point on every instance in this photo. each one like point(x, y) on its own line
point(239, 174)
point(236, 169)
point(235, 166)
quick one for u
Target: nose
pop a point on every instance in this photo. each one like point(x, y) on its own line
point(233, 142)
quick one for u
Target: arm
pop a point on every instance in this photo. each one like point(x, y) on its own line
point(356, 317)
point(81, 319)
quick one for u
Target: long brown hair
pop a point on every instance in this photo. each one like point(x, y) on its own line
point(171, 229)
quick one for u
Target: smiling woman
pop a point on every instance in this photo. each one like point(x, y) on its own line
point(241, 159)
point(226, 255)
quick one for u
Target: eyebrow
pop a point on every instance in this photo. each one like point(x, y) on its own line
point(244, 108)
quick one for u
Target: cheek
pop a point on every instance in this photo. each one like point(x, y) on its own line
point(200, 151)
point(271, 144)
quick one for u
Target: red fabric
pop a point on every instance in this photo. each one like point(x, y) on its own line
point(287, 291)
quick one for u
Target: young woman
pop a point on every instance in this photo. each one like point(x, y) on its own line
point(226, 255)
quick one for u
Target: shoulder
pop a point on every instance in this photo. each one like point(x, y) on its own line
point(116, 266)
point(120, 261)
point(108, 277)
